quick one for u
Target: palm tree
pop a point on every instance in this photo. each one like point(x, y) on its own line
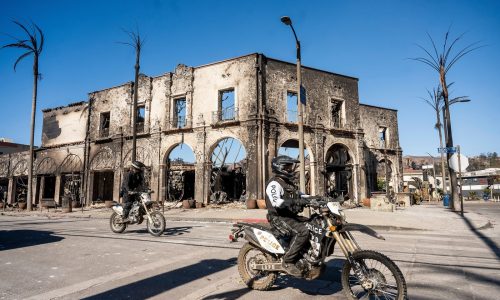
point(33, 46)
point(135, 42)
point(442, 63)
point(435, 100)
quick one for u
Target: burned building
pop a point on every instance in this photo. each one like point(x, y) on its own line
point(231, 117)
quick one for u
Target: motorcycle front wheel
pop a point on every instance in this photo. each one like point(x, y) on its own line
point(375, 277)
point(116, 223)
point(255, 279)
point(157, 226)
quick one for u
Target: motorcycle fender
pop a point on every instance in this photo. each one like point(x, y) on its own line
point(264, 240)
point(362, 228)
point(118, 209)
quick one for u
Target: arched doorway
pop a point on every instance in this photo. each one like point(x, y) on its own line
point(102, 168)
point(70, 171)
point(291, 148)
point(179, 171)
point(46, 179)
point(338, 171)
point(228, 178)
point(384, 166)
point(20, 177)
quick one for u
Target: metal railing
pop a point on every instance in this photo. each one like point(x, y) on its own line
point(180, 122)
point(104, 132)
point(228, 114)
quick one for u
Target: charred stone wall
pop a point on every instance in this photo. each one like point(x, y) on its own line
point(340, 134)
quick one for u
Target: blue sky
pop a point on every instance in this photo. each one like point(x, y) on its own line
point(370, 40)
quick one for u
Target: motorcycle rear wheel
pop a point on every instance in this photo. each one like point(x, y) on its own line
point(116, 223)
point(255, 279)
point(157, 227)
point(384, 279)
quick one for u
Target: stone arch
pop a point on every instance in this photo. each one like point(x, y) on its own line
point(179, 173)
point(104, 159)
point(228, 169)
point(46, 166)
point(142, 154)
point(4, 168)
point(339, 171)
point(20, 168)
point(71, 164)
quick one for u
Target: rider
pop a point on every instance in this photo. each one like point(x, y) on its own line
point(284, 202)
point(133, 181)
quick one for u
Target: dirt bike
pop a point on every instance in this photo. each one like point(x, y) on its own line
point(142, 206)
point(366, 274)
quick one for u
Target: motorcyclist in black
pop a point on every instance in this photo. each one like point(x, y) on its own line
point(284, 202)
point(133, 181)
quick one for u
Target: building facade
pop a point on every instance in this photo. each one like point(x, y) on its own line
point(86, 146)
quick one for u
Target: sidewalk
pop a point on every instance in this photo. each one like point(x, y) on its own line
point(417, 217)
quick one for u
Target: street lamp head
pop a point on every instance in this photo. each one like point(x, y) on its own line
point(286, 20)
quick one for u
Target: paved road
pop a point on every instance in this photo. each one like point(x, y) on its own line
point(81, 259)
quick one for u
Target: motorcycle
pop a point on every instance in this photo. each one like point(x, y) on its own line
point(142, 206)
point(366, 274)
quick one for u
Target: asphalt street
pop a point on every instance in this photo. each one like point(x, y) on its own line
point(80, 258)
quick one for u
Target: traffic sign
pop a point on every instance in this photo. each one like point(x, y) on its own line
point(464, 162)
point(447, 150)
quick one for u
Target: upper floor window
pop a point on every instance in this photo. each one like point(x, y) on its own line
point(227, 105)
point(141, 116)
point(180, 113)
point(383, 135)
point(105, 119)
point(336, 112)
point(291, 107)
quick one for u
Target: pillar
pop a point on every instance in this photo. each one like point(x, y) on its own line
point(11, 191)
point(57, 192)
point(116, 185)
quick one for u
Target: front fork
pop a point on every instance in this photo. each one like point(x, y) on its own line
point(348, 245)
point(147, 213)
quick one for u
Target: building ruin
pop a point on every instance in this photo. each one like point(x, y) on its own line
point(232, 117)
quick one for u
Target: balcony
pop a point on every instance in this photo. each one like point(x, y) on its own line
point(179, 122)
point(225, 115)
point(104, 133)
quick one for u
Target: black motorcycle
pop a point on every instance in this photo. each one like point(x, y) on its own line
point(142, 206)
point(366, 274)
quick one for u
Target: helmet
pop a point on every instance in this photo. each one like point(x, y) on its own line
point(278, 163)
point(137, 165)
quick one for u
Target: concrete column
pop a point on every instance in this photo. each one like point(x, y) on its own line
point(160, 195)
point(58, 190)
point(33, 195)
point(11, 190)
point(200, 187)
point(90, 188)
point(42, 189)
point(116, 185)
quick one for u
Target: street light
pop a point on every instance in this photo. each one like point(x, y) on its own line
point(287, 21)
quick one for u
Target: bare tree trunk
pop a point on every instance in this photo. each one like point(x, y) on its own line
point(32, 134)
point(134, 109)
point(443, 173)
point(455, 203)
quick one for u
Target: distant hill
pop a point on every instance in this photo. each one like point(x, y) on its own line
point(480, 162)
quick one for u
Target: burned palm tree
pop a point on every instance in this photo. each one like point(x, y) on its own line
point(442, 61)
point(135, 42)
point(33, 45)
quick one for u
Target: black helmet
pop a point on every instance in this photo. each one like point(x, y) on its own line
point(138, 165)
point(279, 162)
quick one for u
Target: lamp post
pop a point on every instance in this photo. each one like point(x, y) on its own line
point(287, 21)
point(447, 129)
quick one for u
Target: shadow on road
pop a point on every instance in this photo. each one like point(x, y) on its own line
point(13, 239)
point(489, 242)
point(152, 286)
point(172, 231)
point(236, 294)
